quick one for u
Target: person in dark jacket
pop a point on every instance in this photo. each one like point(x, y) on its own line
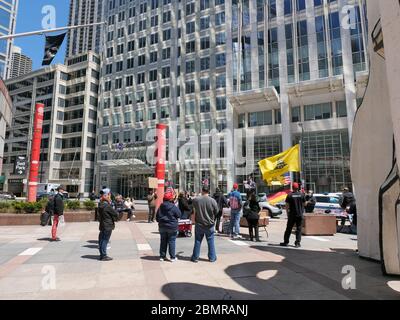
point(348, 203)
point(58, 211)
point(222, 203)
point(184, 207)
point(168, 216)
point(251, 211)
point(311, 202)
point(107, 218)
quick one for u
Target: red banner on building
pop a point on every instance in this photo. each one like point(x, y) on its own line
point(161, 159)
point(35, 152)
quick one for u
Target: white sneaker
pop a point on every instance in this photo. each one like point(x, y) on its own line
point(133, 216)
point(162, 260)
point(128, 220)
point(174, 260)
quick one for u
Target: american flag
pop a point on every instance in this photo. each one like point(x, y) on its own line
point(287, 179)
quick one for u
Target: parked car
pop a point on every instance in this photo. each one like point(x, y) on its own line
point(328, 204)
point(273, 211)
point(264, 205)
point(6, 196)
point(41, 196)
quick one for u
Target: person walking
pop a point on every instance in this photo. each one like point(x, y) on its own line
point(251, 211)
point(205, 209)
point(151, 199)
point(235, 203)
point(168, 216)
point(58, 210)
point(311, 202)
point(184, 207)
point(107, 218)
point(222, 203)
point(295, 204)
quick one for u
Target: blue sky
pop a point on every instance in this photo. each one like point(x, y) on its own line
point(30, 19)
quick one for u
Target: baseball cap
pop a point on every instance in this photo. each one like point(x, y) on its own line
point(296, 186)
point(169, 195)
point(60, 188)
point(235, 186)
point(106, 191)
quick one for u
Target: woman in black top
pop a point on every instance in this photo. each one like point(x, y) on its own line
point(251, 212)
point(222, 203)
point(184, 206)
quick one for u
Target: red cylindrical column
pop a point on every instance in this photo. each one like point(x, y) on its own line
point(161, 159)
point(35, 152)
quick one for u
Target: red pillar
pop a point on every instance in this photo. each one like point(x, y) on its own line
point(35, 153)
point(161, 159)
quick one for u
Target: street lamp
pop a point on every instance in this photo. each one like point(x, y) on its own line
point(302, 174)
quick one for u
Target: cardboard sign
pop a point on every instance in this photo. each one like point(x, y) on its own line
point(153, 183)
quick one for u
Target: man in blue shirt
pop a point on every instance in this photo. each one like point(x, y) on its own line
point(235, 203)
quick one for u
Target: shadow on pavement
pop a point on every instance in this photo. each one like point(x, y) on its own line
point(44, 239)
point(302, 274)
point(93, 241)
point(91, 246)
point(90, 257)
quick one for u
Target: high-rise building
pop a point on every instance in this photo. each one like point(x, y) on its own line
point(81, 40)
point(8, 19)
point(20, 63)
point(236, 81)
point(69, 93)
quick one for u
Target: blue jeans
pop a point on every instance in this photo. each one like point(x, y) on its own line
point(104, 238)
point(209, 234)
point(168, 240)
point(235, 223)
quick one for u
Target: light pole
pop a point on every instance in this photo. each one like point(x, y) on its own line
point(302, 174)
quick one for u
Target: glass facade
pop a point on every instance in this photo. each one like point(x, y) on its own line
point(181, 61)
point(8, 11)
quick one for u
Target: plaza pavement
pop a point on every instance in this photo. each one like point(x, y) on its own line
point(244, 270)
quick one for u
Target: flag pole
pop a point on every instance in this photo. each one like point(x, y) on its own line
point(40, 32)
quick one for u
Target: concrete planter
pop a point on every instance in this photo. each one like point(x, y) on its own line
point(319, 225)
point(13, 219)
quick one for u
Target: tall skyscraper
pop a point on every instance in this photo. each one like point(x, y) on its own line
point(216, 71)
point(20, 63)
point(85, 39)
point(8, 19)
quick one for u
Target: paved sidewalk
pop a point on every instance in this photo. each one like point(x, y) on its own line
point(31, 267)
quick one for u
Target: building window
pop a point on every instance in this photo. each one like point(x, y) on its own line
point(318, 111)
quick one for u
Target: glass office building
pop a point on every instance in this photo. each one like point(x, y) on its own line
point(218, 70)
point(8, 17)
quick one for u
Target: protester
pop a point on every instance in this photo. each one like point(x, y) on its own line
point(183, 205)
point(151, 199)
point(295, 203)
point(205, 210)
point(167, 217)
point(222, 203)
point(58, 211)
point(348, 203)
point(251, 211)
point(235, 203)
point(311, 202)
point(129, 208)
point(107, 218)
point(121, 208)
point(93, 196)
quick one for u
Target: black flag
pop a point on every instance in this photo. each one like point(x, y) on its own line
point(53, 44)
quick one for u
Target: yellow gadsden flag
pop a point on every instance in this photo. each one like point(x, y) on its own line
point(273, 169)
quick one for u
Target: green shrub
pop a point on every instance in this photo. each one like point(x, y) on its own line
point(43, 203)
point(5, 206)
point(32, 207)
point(73, 204)
point(89, 205)
point(18, 206)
